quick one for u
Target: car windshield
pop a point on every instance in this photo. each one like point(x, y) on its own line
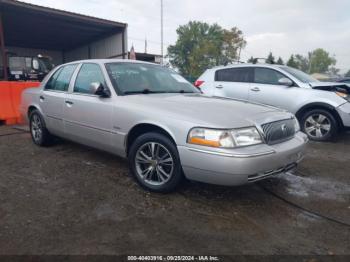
point(301, 76)
point(138, 78)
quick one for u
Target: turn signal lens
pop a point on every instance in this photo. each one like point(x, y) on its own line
point(341, 94)
point(344, 95)
point(210, 137)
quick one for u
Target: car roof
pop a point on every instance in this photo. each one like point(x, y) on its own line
point(111, 60)
point(344, 79)
point(250, 65)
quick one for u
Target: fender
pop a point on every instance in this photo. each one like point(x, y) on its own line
point(152, 123)
point(319, 105)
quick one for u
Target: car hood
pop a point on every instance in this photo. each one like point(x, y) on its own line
point(331, 86)
point(207, 111)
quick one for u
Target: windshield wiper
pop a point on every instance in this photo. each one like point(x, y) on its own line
point(144, 91)
point(181, 92)
point(185, 92)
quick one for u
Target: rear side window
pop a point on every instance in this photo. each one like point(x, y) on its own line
point(234, 75)
point(60, 80)
point(89, 73)
point(267, 76)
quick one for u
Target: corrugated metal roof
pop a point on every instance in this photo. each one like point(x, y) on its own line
point(59, 11)
point(32, 26)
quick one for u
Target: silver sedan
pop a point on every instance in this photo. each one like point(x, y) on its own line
point(162, 124)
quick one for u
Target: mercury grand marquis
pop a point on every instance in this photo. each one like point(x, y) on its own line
point(166, 128)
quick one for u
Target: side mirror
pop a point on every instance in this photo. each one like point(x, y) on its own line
point(35, 64)
point(285, 82)
point(100, 90)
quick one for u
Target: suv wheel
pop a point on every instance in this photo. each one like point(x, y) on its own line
point(319, 125)
point(40, 135)
point(154, 162)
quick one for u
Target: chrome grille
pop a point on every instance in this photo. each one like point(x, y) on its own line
point(276, 132)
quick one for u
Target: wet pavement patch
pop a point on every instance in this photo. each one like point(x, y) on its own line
point(69, 199)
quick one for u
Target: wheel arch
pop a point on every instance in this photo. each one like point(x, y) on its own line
point(143, 128)
point(31, 108)
point(319, 105)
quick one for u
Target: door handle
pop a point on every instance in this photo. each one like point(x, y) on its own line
point(41, 98)
point(255, 89)
point(219, 86)
point(69, 103)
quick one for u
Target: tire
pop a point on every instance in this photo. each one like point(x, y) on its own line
point(40, 135)
point(150, 171)
point(319, 125)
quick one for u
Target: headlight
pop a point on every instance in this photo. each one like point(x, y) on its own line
point(224, 138)
point(296, 125)
point(246, 136)
point(343, 95)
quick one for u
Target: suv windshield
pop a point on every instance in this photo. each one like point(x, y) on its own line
point(138, 78)
point(301, 76)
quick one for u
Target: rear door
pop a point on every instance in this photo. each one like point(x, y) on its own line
point(266, 89)
point(233, 82)
point(53, 96)
point(88, 117)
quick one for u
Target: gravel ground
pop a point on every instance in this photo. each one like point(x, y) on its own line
point(69, 199)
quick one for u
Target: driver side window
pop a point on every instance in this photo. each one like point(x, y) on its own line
point(88, 73)
point(267, 76)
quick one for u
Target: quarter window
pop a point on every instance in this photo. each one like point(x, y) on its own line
point(89, 73)
point(267, 76)
point(50, 85)
point(60, 80)
point(234, 75)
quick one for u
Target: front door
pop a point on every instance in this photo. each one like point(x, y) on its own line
point(88, 117)
point(266, 89)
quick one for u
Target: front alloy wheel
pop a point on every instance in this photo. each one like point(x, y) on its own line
point(154, 162)
point(319, 125)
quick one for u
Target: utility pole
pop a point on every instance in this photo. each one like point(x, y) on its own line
point(145, 45)
point(239, 54)
point(161, 32)
point(3, 51)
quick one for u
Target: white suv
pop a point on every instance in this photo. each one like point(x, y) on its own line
point(322, 108)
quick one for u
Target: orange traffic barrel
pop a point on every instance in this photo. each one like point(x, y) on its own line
point(10, 99)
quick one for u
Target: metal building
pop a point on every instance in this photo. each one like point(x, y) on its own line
point(29, 30)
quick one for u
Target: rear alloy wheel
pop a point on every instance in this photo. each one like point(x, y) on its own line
point(319, 125)
point(40, 135)
point(154, 162)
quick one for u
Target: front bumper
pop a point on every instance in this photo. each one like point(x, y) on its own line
point(242, 165)
point(344, 113)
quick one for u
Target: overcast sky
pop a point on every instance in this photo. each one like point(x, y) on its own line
point(283, 27)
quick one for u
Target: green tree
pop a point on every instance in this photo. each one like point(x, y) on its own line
point(320, 61)
point(200, 46)
point(334, 71)
point(270, 59)
point(280, 61)
point(302, 63)
point(291, 62)
point(251, 60)
point(347, 74)
point(233, 43)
